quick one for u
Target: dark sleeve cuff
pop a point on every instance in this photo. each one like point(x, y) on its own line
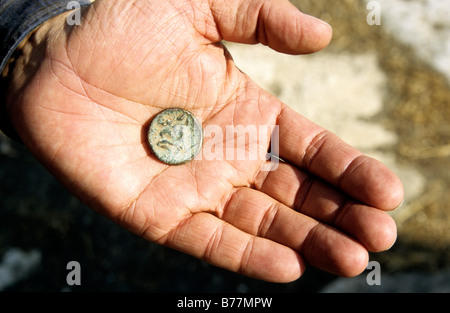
point(17, 19)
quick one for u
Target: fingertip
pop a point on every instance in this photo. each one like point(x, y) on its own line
point(374, 229)
point(275, 263)
point(291, 269)
point(397, 195)
point(371, 182)
point(355, 263)
point(316, 33)
point(301, 34)
point(334, 252)
point(352, 264)
point(386, 235)
point(390, 190)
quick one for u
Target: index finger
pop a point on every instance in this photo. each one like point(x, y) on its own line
point(322, 153)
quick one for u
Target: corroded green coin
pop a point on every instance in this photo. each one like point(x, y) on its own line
point(175, 136)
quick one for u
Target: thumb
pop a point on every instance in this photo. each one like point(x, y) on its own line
point(278, 24)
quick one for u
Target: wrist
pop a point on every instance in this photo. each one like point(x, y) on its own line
point(29, 54)
point(25, 27)
point(22, 66)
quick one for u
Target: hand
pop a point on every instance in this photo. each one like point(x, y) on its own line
point(83, 98)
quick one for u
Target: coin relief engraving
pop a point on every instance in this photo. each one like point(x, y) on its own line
point(175, 136)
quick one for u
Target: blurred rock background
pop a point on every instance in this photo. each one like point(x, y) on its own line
point(383, 88)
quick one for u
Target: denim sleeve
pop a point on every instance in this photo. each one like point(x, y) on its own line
point(17, 19)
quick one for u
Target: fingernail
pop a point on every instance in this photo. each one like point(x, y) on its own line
point(400, 205)
point(321, 21)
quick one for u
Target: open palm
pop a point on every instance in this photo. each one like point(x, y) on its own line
point(86, 108)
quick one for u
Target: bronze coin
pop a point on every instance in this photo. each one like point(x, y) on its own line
point(175, 136)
